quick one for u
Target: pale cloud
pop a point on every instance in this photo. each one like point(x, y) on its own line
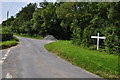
point(1, 20)
point(32, 1)
point(16, 0)
point(0, 13)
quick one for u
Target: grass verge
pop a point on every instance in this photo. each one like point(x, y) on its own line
point(102, 64)
point(28, 36)
point(7, 44)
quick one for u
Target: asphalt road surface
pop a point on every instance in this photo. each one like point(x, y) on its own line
point(29, 59)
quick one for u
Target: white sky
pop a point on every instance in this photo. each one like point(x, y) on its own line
point(14, 6)
point(26, 0)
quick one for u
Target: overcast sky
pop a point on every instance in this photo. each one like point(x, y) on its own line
point(13, 6)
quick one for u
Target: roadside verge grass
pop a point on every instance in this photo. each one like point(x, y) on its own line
point(102, 64)
point(7, 44)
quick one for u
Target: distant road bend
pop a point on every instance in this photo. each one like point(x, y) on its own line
point(30, 59)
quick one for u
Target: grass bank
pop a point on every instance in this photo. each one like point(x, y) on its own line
point(28, 36)
point(102, 64)
point(10, 43)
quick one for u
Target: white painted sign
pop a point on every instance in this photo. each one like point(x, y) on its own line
point(98, 37)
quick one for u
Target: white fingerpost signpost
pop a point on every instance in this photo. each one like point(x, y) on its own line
point(98, 37)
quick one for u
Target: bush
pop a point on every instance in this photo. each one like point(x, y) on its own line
point(86, 39)
point(6, 34)
point(15, 39)
point(112, 42)
point(77, 37)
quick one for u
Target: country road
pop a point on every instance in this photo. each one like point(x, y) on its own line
point(29, 59)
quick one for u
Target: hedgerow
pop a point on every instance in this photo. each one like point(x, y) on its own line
point(71, 20)
point(6, 34)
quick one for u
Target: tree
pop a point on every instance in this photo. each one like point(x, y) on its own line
point(72, 20)
point(22, 17)
point(8, 21)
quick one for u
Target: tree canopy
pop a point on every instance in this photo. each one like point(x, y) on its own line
point(77, 21)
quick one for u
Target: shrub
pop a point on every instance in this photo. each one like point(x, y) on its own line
point(112, 42)
point(77, 37)
point(86, 39)
point(6, 34)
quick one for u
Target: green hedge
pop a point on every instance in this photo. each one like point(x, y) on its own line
point(6, 35)
point(111, 44)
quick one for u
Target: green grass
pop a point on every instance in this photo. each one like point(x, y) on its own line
point(7, 44)
point(102, 64)
point(27, 36)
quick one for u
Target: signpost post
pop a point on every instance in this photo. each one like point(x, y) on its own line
point(98, 37)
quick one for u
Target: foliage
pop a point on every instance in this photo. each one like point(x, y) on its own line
point(22, 23)
point(112, 41)
point(102, 20)
point(7, 38)
point(71, 20)
point(6, 34)
point(8, 21)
